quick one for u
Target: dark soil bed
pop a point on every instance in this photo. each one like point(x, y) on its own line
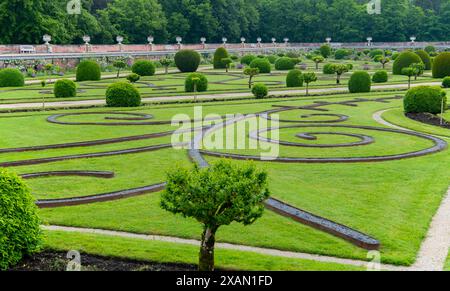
point(57, 261)
point(428, 118)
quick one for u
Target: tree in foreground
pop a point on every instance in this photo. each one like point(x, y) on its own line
point(340, 69)
point(251, 73)
point(166, 62)
point(227, 63)
point(409, 72)
point(317, 60)
point(216, 196)
point(119, 65)
point(309, 77)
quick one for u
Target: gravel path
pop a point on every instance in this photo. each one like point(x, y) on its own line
point(67, 104)
point(263, 251)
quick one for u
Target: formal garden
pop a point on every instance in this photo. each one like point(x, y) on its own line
point(362, 163)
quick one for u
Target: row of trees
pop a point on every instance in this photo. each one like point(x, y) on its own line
point(25, 21)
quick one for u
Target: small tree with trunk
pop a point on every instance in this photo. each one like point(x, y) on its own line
point(419, 69)
point(227, 63)
point(119, 65)
point(383, 60)
point(318, 60)
point(216, 196)
point(409, 72)
point(166, 62)
point(251, 73)
point(309, 77)
point(340, 69)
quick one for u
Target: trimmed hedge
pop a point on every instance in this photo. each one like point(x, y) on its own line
point(380, 76)
point(446, 82)
point(248, 59)
point(122, 94)
point(144, 68)
point(426, 99)
point(187, 61)
point(220, 54)
point(441, 65)
point(284, 64)
point(294, 78)
point(20, 234)
point(425, 57)
point(202, 83)
point(359, 82)
point(263, 65)
point(88, 71)
point(11, 78)
point(65, 88)
point(404, 60)
point(260, 91)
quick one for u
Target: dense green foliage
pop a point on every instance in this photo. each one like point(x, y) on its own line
point(446, 82)
point(359, 82)
point(262, 64)
point(65, 88)
point(196, 82)
point(404, 60)
point(424, 99)
point(122, 94)
point(11, 78)
point(20, 234)
point(88, 71)
point(143, 68)
point(260, 90)
point(441, 65)
point(25, 21)
point(133, 77)
point(220, 54)
point(325, 50)
point(328, 69)
point(380, 76)
point(294, 78)
point(187, 61)
point(341, 54)
point(425, 57)
point(284, 64)
point(247, 59)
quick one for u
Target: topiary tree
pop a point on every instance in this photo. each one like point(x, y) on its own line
point(308, 78)
point(220, 54)
point(143, 68)
point(382, 59)
point(166, 62)
point(446, 82)
point(227, 63)
point(122, 94)
point(425, 57)
point(196, 82)
point(376, 52)
point(88, 71)
point(328, 69)
point(441, 65)
point(284, 64)
point(65, 88)
point(359, 82)
point(260, 90)
point(251, 73)
point(133, 78)
point(341, 54)
point(294, 78)
point(425, 99)
point(317, 60)
point(409, 72)
point(418, 69)
point(11, 78)
point(325, 50)
point(187, 61)
point(248, 59)
point(404, 60)
point(216, 196)
point(119, 65)
point(263, 65)
point(380, 77)
point(20, 234)
point(339, 70)
point(272, 58)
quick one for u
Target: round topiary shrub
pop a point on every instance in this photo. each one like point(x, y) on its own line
point(220, 54)
point(263, 65)
point(20, 234)
point(376, 52)
point(325, 50)
point(380, 76)
point(122, 94)
point(88, 71)
point(200, 80)
point(260, 91)
point(248, 59)
point(446, 82)
point(359, 82)
point(11, 78)
point(143, 68)
point(65, 88)
point(187, 61)
point(272, 58)
point(404, 60)
point(133, 77)
point(424, 99)
point(284, 64)
point(294, 78)
point(328, 69)
point(341, 54)
point(425, 57)
point(441, 65)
